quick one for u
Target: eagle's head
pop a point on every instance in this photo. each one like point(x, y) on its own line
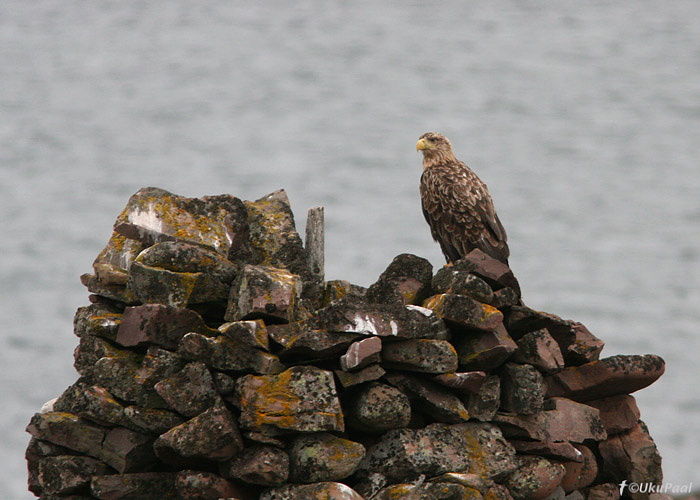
point(435, 147)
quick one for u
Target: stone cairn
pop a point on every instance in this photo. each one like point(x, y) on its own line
point(216, 363)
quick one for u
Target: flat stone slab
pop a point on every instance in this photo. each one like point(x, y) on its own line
point(158, 324)
point(621, 374)
point(430, 398)
point(465, 382)
point(224, 353)
point(618, 413)
point(361, 353)
point(484, 350)
point(420, 355)
point(302, 398)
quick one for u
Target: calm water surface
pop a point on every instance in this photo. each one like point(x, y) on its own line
point(583, 118)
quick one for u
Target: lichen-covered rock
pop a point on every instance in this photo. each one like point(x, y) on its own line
point(153, 215)
point(430, 398)
point(127, 451)
point(522, 389)
point(378, 408)
point(451, 280)
point(224, 353)
point(69, 431)
point(535, 478)
point(259, 464)
point(495, 272)
point(197, 485)
point(317, 491)
point(464, 311)
point(112, 264)
point(420, 355)
point(485, 403)
point(302, 398)
point(491, 456)
point(464, 382)
point(604, 491)
point(190, 391)
point(484, 350)
point(116, 292)
point(406, 454)
point(93, 403)
point(159, 324)
point(405, 281)
point(120, 376)
point(300, 342)
point(632, 455)
point(137, 486)
point(366, 374)
point(101, 320)
point(251, 332)
point(155, 421)
point(63, 475)
point(621, 374)
point(560, 450)
point(183, 257)
point(405, 492)
point(540, 350)
point(212, 435)
point(353, 315)
point(264, 292)
point(323, 457)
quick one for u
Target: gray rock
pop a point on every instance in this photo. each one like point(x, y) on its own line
point(522, 389)
point(430, 398)
point(405, 281)
point(190, 391)
point(323, 457)
point(378, 408)
point(63, 475)
point(420, 355)
point(535, 479)
point(260, 464)
point(317, 491)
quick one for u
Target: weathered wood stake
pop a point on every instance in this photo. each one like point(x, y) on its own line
point(315, 241)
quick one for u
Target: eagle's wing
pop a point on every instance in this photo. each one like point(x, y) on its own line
point(460, 212)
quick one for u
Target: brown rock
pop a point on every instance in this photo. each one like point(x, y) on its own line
point(621, 374)
point(36, 451)
point(562, 420)
point(110, 291)
point(367, 374)
point(91, 350)
point(405, 281)
point(430, 398)
point(420, 355)
point(302, 398)
point(62, 475)
point(562, 450)
point(337, 289)
point(323, 457)
point(158, 364)
point(632, 455)
point(120, 376)
point(492, 270)
point(317, 491)
point(577, 344)
point(535, 479)
point(213, 435)
point(407, 492)
point(618, 413)
point(260, 464)
point(539, 349)
point(158, 324)
point(138, 486)
point(465, 382)
point(353, 315)
point(196, 485)
point(484, 350)
point(299, 342)
point(93, 403)
point(378, 408)
point(522, 389)
point(153, 215)
point(581, 473)
point(189, 391)
point(223, 353)
point(113, 262)
point(264, 292)
point(361, 353)
point(483, 405)
point(252, 333)
point(69, 431)
point(127, 451)
point(465, 311)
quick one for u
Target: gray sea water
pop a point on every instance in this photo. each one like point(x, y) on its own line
point(582, 117)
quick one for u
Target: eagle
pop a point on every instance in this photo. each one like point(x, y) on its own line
point(456, 204)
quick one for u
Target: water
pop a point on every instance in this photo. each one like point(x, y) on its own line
point(583, 118)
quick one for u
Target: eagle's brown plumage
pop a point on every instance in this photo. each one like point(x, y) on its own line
point(456, 204)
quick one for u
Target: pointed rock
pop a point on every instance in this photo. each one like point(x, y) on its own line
point(406, 281)
point(539, 349)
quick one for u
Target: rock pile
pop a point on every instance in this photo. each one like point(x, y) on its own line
point(215, 362)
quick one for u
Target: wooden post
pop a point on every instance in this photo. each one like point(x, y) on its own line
point(315, 241)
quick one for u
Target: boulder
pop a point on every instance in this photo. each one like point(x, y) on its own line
point(302, 398)
point(379, 407)
point(323, 457)
point(535, 478)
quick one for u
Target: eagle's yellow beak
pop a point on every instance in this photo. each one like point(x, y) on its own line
point(422, 144)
